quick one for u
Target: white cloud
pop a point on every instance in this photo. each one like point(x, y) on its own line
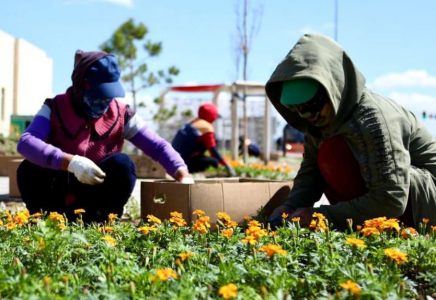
point(407, 79)
point(415, 102)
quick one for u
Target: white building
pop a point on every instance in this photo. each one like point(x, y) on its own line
point(26, 76)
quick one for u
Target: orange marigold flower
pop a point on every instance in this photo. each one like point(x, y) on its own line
point(36, 215)
point(198, 212)
point(355, 242)
point(200, 227)
point(254, 223)
point(285, 215)
point(425, 221)
point(21, 218)
point(55, 217)
point(272, 249)
point(228, 291)
point(146, 229)
point(273, 233)
point(256, 232)
point(231, 224)
point(352, 287)
point(112, 217)
point(369, 231)
point(223, 216)
point(318, 225)
point(176, 214)
point(227, 233)
point(295, 219)
point(62, 226)
point(398, 256)
point(185, 256)
point(390, 224)
point(105, 229)
point(408, 232)
point(249, 239)
point(178, 221)
point(165, 274)
point(109, 240)
point(376, 222)
point(11, 226)
point(433, 228)
point(79, 211)
point(318, 216)
point(247, 218)
point(153, 219)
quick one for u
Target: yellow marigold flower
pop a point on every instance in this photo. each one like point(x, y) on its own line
point(247, 218)
point(65, 278)
point(26, 240)
point(249, 239)
point(228, 291)
point(21, 218)
point(153, 219)
point(254, 223)
point(178, 221)
point(369, 231)
point(285, 215)
point(203, 221)
point(356, 242)
point(79, 211)
point(272, 249)
point(227, 233)
point(1, 222)
point(352, 287)
point(231, 224)
point(146, 229)
point(62, 226)
point(112, 217)
point(41, 243)
point(406, 233)
point(109, 240)
point(223, 216)
point(256, 232)
point(398, 256)
point(185, 256)
point(198, 212)
point(318, 225)
point(376, 222)
point(425, 221)
point(8, 215)
point(165, 274)
point(105, 229)
point(11, 226)
point(55, 217)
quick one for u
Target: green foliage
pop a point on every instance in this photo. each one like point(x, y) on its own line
point(40, 260)
point(125, 43)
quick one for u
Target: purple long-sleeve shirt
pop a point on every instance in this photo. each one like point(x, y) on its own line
point(33, 147)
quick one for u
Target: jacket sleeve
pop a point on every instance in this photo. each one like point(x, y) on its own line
point(385, 166)
point(309, 183)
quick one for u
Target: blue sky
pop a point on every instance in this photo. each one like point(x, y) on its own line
point(392, 42)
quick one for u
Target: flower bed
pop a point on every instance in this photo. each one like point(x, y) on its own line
point(47, 257)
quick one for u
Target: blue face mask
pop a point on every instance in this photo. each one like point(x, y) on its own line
point(95, 107)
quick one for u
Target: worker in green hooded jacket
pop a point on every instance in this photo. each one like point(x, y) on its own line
point(370, 156)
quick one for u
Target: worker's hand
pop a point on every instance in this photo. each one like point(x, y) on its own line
point(305, 215)
point(86, 170)
point(277, 216)
point(183, 176)
point(230, 171)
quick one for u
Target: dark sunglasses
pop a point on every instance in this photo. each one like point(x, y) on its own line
point(314, 105)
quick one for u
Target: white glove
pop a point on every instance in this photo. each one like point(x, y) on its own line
point(86, 170)
point(187, 180)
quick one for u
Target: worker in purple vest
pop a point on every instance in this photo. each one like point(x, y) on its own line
point(72, 148)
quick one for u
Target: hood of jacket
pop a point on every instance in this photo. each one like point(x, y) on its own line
point(322, 59)
point(82, 61)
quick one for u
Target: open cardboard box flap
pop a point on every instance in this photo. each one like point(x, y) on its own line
point(237, 197)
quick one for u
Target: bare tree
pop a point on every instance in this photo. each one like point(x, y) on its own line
point(248, 21)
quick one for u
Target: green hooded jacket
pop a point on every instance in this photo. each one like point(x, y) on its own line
point(395, 152)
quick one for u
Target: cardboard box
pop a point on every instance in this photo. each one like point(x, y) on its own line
point(13, 187)
point(237, 197)
point(4, 163)
point(147, 167)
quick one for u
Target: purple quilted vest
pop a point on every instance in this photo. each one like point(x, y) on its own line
point(95, 139)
